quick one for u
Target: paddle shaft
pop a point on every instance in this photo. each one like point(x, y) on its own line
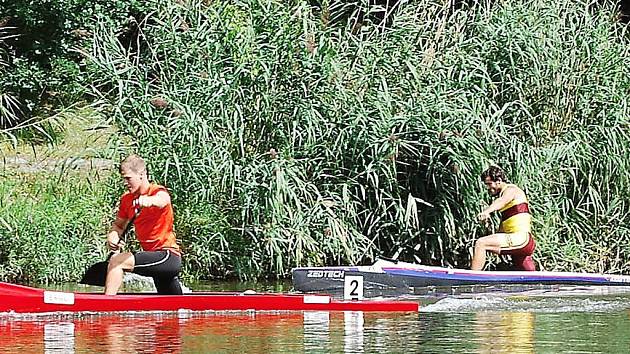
point(97, 273)
point(123, 235)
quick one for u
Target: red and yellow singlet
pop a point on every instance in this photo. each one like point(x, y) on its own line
point(516, 221)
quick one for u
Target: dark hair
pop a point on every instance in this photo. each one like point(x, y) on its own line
point(494, 172)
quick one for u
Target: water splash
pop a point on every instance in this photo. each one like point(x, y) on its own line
point(529, 304)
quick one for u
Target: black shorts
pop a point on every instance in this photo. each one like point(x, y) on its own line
point(163, 266)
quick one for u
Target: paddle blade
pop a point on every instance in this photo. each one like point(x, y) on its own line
point(96, 274)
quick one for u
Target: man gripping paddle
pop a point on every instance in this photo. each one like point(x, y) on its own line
point(160, 257)
point(514, 237)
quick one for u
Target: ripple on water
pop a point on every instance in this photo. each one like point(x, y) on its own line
point(529, 304)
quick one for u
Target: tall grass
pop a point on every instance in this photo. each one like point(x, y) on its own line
point(289, 139)
point(51, 229)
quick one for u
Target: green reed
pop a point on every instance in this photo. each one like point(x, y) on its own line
point(289, 136)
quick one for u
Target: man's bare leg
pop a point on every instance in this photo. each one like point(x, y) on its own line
point(491, 243)
point(118, 264)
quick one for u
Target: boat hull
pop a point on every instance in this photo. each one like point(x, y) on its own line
point(22, 299)
point(400, 277)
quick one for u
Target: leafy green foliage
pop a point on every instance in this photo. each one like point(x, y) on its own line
point(42, 66)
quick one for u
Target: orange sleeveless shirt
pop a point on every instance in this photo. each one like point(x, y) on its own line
point(153, 226)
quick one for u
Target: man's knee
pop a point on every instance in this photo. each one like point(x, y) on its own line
point(168, 286)
point(121, 260)
point(482, 243)
point(488, 244)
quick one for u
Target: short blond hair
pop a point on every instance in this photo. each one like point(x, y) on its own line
point(134, 163)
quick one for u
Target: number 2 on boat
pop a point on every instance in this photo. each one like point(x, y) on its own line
point(353, 287)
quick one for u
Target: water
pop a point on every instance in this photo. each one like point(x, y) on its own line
point(462, 320)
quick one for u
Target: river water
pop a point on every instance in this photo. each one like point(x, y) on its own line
point(464, 320)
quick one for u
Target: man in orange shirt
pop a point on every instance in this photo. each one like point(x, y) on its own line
point(514, 237)
point(148, 205)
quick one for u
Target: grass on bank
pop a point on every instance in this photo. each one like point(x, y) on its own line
point(55, 199)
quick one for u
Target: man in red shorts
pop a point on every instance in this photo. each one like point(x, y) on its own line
point(149, 206)
point(514, 236)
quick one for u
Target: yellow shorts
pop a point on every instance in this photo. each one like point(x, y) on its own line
point(513, 240)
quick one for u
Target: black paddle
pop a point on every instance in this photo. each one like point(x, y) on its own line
point(97, 273)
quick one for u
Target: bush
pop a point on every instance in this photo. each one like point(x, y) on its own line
point(43, 50)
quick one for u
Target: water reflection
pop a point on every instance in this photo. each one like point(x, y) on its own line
point(353, 332)
point(504, 332)
point(316, 331)
point(59, 337)
point(480, 330)
point(252, 332)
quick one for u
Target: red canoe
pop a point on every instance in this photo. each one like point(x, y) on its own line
point(24, 299)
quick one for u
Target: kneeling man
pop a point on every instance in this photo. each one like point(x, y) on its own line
point(514, 237)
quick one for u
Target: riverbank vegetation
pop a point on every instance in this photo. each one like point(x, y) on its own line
point(331, 132)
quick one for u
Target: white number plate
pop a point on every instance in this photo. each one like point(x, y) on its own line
point(56, 297)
